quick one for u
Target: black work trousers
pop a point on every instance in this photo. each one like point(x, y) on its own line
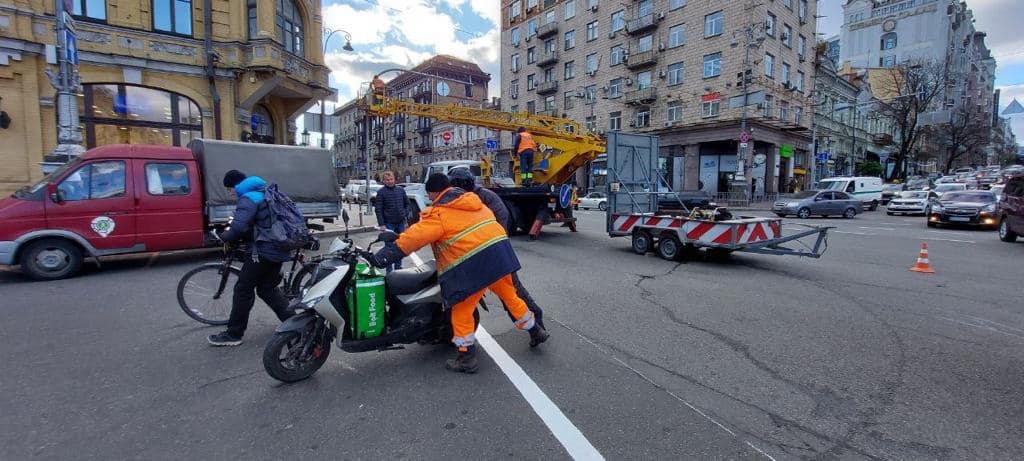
point(257, 278)
point(538, 314)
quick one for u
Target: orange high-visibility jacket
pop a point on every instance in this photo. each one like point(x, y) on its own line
point(526, 142)
point(471, 248)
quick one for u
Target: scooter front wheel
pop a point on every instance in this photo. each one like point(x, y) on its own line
point(285, 357)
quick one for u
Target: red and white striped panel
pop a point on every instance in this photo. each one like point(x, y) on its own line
point(707, 232)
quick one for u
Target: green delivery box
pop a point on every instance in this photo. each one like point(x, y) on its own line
point(366, 303)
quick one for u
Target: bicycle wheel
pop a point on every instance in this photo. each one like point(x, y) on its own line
point(205, 293)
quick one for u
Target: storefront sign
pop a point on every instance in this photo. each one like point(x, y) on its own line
point(711, 97)
point(786, 151)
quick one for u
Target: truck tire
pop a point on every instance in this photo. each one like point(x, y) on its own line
point(515, 218)
point(51, 259)
point(642, 242)
point(669, 247)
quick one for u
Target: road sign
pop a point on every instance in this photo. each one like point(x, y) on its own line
point(823, 156)
point(492, 144)
point(70, 48)
point(564, 195)
point(446, 136)
point(744, 137)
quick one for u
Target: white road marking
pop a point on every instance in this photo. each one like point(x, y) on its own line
point(984, 327)
point(950, 233)
point(876, 228)
point(564, 430)
point(949, 240)
point(853, 233)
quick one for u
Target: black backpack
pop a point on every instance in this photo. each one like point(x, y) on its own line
point(287, 225)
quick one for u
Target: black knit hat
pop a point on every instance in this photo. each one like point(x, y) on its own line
point(233, 177)
point(461, 178)
point(437, 182)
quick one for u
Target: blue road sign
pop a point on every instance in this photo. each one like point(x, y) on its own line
point(492, 144)
point(823, 156)
point(70, 48)
point(254, 122)
point(564, 195)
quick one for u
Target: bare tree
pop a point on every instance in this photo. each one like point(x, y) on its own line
point(904, 93)
point(964, 136)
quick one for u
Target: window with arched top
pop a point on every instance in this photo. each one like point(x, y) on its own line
point(289, 26)
point(889, 41)
point(119, 113)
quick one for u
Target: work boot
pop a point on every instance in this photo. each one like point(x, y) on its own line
point(538, 335)
point(465, 362)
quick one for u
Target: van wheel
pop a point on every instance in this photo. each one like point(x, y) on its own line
point(1005, 234)
point(51, 259)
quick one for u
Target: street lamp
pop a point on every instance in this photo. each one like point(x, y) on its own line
point(328, 33)
point(305, 137)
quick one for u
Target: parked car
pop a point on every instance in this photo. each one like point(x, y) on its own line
point(354, 190)
point(919, 184)
point(818, 202)
point(963, 170)
point(1011, 209)
point(909, 202)
point(867, 189)
point(975, 208)
point(592, 200)
point(889, 191)
point(690, 199)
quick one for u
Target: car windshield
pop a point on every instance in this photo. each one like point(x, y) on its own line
point(834, 185)
point(982, 197)
point(948, 187)
point(892, 187)
point(914, 194)
point(805, 194)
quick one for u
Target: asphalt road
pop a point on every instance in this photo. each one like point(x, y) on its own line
point(755, 357)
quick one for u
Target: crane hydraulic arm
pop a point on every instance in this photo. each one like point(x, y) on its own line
point(570, 146)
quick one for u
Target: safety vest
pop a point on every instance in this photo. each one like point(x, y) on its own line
point(526, 142)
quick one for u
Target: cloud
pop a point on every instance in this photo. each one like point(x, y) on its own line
point(403, 33)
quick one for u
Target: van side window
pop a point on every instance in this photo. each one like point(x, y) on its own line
point(94, 181)
point(167, 179)
point(850, 187)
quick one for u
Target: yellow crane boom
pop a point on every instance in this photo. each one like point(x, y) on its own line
point(570, 146)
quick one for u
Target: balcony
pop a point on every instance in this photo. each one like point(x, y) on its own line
point(423, 148)
point(547, 30)
point(380, 156)
point(882, 139)
point(547, 87)
point(638, 25)
point(424, 127)
point(644, 96)
point(547, 58)
point(399, 134)
point(399, 153)
point(642, 59)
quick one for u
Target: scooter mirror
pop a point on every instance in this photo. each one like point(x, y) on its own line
point(387, 236)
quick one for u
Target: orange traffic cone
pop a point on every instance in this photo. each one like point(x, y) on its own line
point(922, 261)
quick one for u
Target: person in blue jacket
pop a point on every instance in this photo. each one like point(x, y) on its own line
point(261, 271)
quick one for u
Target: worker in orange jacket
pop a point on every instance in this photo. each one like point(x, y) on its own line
point(526, 148)
point(473, 255)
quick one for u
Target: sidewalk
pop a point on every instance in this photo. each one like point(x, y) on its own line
point(337, 228)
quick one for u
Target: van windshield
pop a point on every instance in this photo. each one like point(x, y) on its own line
point(27, 190)
point(834, 185)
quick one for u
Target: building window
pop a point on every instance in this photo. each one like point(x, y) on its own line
point(798, 114)
point(676, 35)
point(645, 8)
point(592, 63)
point(128, 114)
point(250, 10)
point(514, 88)
point(531, 4)
point(615, 88)
point(889, 41)
point(799, 84)
point(591, 94)
point(90, 9)
point(469, 90)
point(591, 123)
point(591, 4)
point(515, 9)
point(676, 4)
point(714, 24)
point(515, 62)
point(643, 118)
point(769, 25)
point(531, 82)
point(784, 110)
point(801, 46)
point(785, 74)
point(618, 55)
point(531, 55)
point(769, 65)
point(549, 75)
point(887, 61)
point(592, 31)
point(569, 102)
point(549, 103)
point(643, 80)
point(675, 112)
point(788, 3)
point(174, 16)
point(618, 20)
point(712, 65)
point(787, 35)
point(570, 70)
point(803, 10)
point(570, 40)
point(289, 26)
point(515, 36)
point(675, 73)
point(646, 43)
point(549, 16)
point(615, 121)
point(710, 108)
point(531, 107)
point(531, 27)
point(570, 9)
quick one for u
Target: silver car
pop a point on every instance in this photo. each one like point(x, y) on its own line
point(909, 202)
point(819, 202)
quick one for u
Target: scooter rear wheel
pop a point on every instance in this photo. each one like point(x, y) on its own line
point(283, 360)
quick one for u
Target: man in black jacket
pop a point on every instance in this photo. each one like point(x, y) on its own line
point(392, 209)
point(463, 179)
point(261, 270)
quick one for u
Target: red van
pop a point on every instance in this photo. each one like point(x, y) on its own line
point(119, 199)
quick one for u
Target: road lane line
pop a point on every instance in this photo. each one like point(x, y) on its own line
point(564, 430)
point(876, 228)
point(949, 233)
point(949, 240)
point(578, 447)
point(983, 327)
point(853, 233)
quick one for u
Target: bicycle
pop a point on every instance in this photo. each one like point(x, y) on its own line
point(201, 291)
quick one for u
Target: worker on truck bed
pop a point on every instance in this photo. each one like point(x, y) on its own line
point(525, 147)
point(473, 255)
point(462, 178)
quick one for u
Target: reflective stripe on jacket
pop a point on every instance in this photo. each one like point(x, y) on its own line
point(526, 142)
point(471, 248)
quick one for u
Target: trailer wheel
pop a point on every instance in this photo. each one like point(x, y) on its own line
point(642, 242)
point(669, 247)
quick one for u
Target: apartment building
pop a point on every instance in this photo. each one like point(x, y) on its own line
point(680, 69)
point(348, 154)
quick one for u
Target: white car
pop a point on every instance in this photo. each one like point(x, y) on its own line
point(594, 200)
point(909, 202)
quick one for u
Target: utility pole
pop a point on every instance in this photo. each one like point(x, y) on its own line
point(69, 138)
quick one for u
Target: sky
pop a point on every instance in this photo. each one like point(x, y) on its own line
point(403, 33)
